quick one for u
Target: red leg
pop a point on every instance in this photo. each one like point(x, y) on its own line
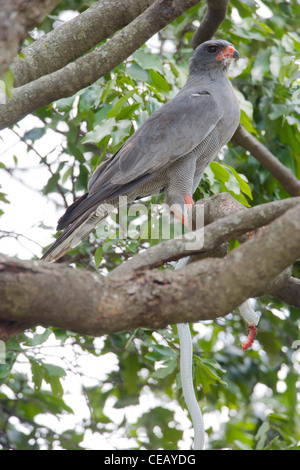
point(250, 338)
point(188, 199)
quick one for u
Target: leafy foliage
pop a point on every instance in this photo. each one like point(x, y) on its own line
point(252, 396)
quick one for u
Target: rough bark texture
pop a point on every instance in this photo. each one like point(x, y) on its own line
point(289, 292)
point(39, 293)
point(74, 38)
point(17, 17)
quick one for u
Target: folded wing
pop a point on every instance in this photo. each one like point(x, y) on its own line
point(168, 134)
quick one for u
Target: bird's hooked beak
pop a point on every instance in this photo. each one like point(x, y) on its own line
point(228, 52)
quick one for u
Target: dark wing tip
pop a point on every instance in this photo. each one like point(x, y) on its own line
point(71, 213)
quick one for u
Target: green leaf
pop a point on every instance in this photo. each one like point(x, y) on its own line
point(83, 178)
point(9, 83)
point(137, 73)
point(233, 244)
point(207, 373)
point(167, 369)
point(61, 335)
point(3, 198)
point(52, 376)
point(123, 130)
point(262, 435)
point(37, 374)
point(65, 104)
point(120, 103)
point(159, 82)
point(55, 385)
point(127, 112)
point(53, 370)
point(131, 368)
point(231, 181)
point(277, 111)
point(98, 256)
point(242, 181)
point(245, 105)
point(147, 60)
point(296, 38)
point(67, 175)
point(76, 152)
point(275, 64)
point(246, 122)
point(10, 358)
point(160, 353)
point(107, 90)
point(101, 113)
point(260, 66)
point(220, 173)
point(52, 183)
point(100, 131)
point(35, 133)
point(38, 338)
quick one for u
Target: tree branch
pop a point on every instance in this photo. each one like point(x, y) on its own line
point(214, 17)
point(40, 293)
point(17, 17)
point(289, 292)
point(285, 177)
point(230, 227)
point(87, 69)
point(74, 38)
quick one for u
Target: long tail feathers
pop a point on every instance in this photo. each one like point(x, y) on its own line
point(78, 229)
point(72, 236)
point(66, 241)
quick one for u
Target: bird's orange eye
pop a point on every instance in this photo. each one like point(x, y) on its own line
point(212, 49)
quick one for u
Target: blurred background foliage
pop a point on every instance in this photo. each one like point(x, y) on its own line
point(251, 400)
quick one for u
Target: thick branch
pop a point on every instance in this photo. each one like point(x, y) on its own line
point(17, 17)
point(81, 301)
point(9, 329)
point(214, 17)
point(74, 38)
point(87, 69)
point(289, 292)
point(216, 233)
point(285, 177)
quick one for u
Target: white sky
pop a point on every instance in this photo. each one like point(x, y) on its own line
point(28, 207)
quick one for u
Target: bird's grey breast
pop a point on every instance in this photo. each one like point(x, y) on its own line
point(224, 128)
point(229, 111)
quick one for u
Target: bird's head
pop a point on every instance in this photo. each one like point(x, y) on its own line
point(217, 54)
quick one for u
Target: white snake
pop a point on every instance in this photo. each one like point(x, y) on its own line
point(250, 317)
point(186, 374)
